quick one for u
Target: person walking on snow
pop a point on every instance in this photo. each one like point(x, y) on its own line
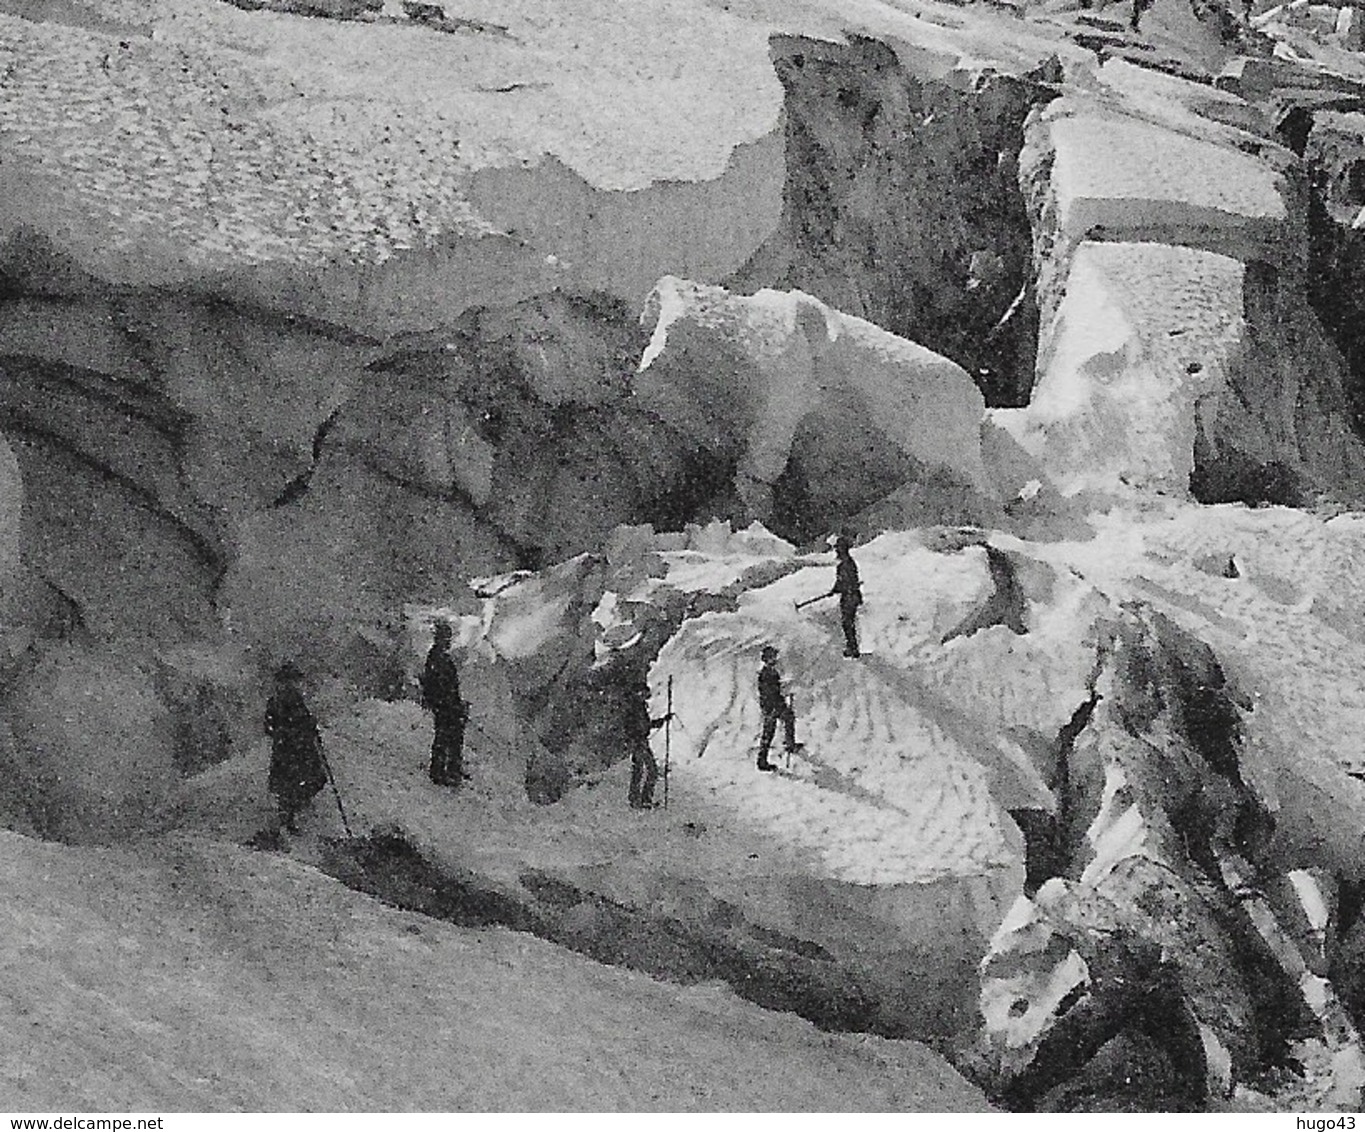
point(297, 772)
point(849, 588)
point(440, 682)
point(773, 703)
point(644, 768)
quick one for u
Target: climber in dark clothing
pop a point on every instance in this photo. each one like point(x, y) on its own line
point(850, 590)
point(773, 703)
point(297, 772)
point(644, 768)
point(441, 696)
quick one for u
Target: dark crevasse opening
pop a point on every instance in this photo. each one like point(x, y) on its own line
point(1336, 270)
point(546, 384)
point(902, 206)
point(714, 942)
point(1281, 432)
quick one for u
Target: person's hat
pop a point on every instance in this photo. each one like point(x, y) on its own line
point(843, 542)
point(288, 671)
point(769, 652)
point(441, 628)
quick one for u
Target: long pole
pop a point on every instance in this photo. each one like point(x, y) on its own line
point(791, 707)
point(335, 792)
point(668, 740)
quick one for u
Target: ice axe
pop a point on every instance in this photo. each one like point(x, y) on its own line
point(812, 600)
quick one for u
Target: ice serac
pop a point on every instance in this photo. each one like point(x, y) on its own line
point(1190, 783)
point(901, 203)
point(1171, 368)
point(16, 613)
point(11, 509)
point(94, 741)
point(1178, 352)
point(1334, 153)
point(1153, 794)
point(545, 163)
point(820, 413)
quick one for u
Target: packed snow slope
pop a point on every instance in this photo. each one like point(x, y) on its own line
point(187, 976)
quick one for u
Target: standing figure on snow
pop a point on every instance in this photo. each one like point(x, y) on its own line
point(850, 590)
point(644, 768)
point(440, 683)
point(774, 704)
point(297, 772)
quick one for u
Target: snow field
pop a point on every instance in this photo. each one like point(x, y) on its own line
point(883, 793)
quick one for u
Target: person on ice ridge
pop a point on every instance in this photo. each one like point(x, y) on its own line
point(440, 682)
point(850, 590)
point(644, 767)
point(775, 705)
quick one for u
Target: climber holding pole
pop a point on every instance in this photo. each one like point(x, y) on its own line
point(298, 768)
point(637, 727)
point(776, 707)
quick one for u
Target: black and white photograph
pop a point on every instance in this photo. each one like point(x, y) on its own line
point(681, 556)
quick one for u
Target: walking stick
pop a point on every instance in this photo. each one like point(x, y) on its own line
point(335, 793)
point(791, 707)
point(668, 737)
point(812, 600)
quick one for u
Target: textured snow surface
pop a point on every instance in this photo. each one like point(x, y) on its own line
point(1128, 174)
point(1144, 330)
point(194, 116)
point(784, 362)
point(194, 977)
point(888, 761)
